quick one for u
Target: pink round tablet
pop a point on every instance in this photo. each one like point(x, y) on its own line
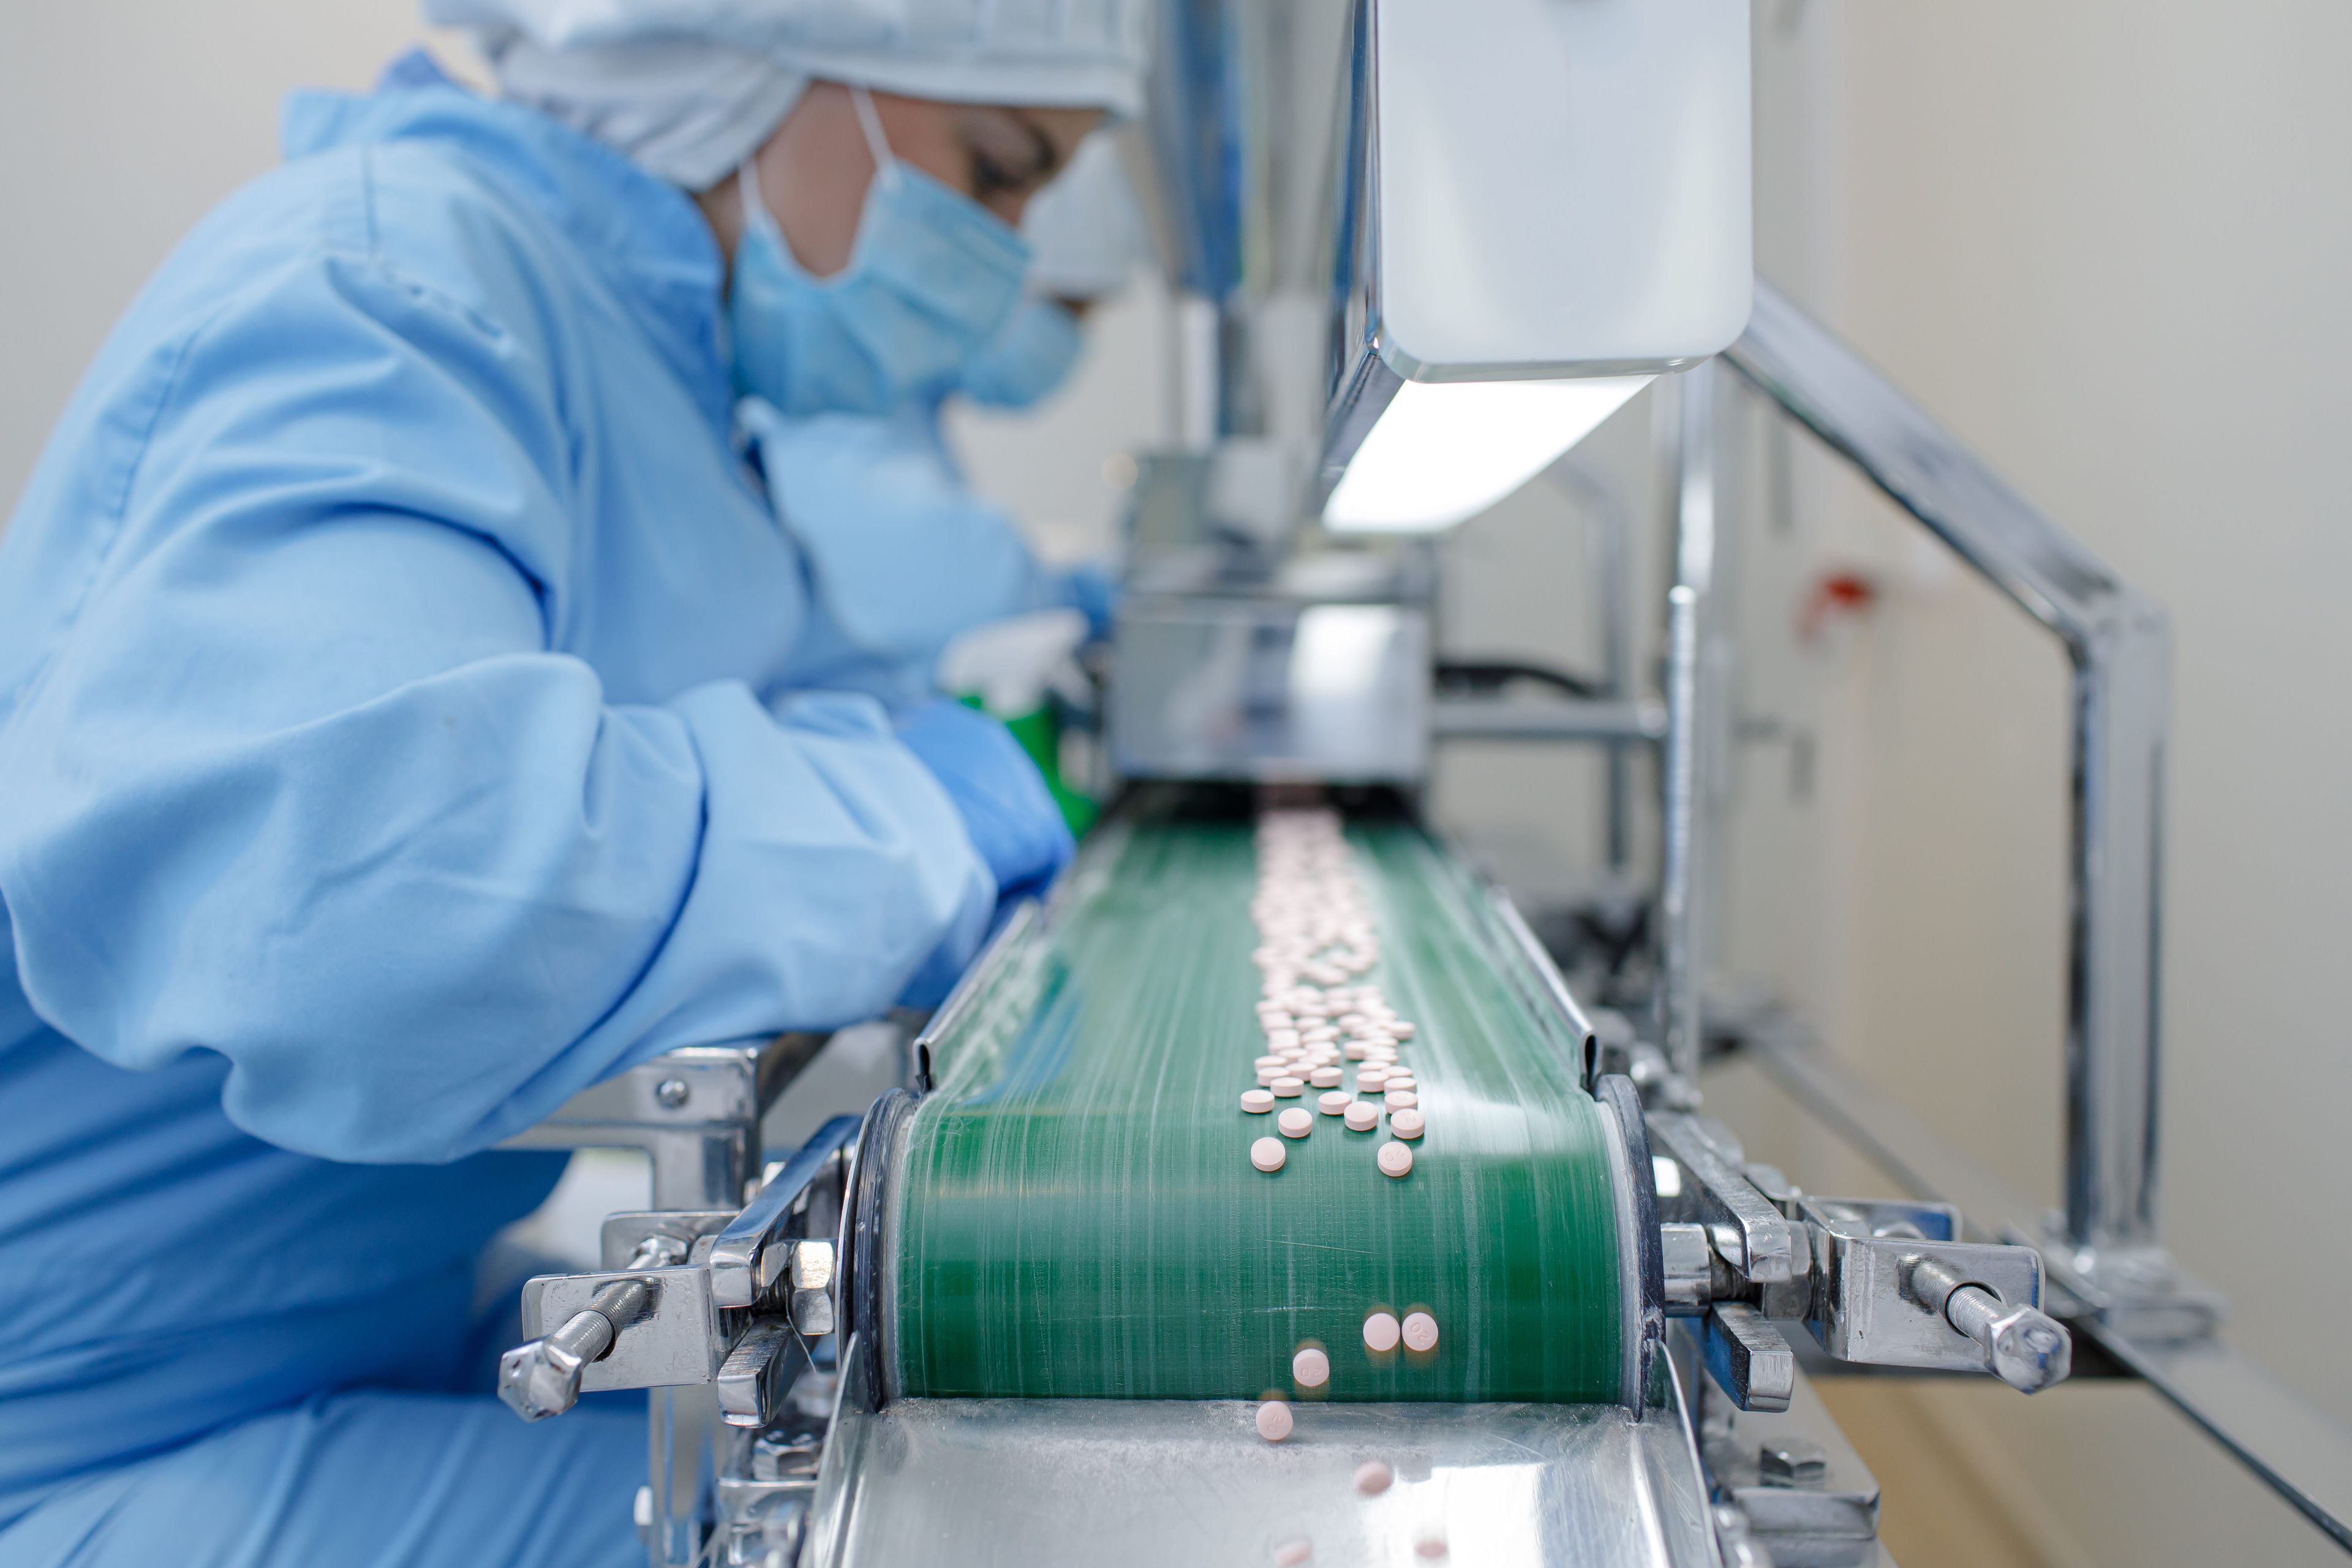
point(1310, 1368)
point(1293, 1552)
point(1363, 1114)
point(1419, 1332)
point(1431, 1547)
point(1400, 1029)
point(1381, 1333)
point(1404, 1080)
point(1257, 1101)
point(1295, 1122)
point(1373, 1477)
point(1277, 1038)
point(1401, 1099)
point(1271, 1061)
point(1265, 1076)
point(1404, 1123)
point(1353, 1050)
point(1326, 1077)
point(1267, 1154)
point(1371, 1079)
point(1285, 1086)
point(1274, 1420)
point(1337, 1102)
point(1395, 1160)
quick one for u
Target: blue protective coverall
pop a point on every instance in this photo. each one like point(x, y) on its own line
point(398, 732)
point(901, 551)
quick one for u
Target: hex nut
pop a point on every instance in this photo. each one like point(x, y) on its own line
point(1792, 1461)
point(2030, 1353)
point(812, 1312)
point(810, 1266)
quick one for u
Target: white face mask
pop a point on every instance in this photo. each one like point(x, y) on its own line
point(932, 276)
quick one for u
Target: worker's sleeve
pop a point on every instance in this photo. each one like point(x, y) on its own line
point(903, 555)
point(304, 786)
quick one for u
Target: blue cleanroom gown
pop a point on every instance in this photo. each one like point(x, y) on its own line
point(902, 553)
point(398, 731)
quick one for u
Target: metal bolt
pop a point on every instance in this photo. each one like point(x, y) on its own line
point(812, 1312)
point(1792, 1461)
point(672, 1092)
point(810, 1265)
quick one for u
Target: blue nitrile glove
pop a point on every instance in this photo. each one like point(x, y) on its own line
point(1091, 589)
point(1011, 820)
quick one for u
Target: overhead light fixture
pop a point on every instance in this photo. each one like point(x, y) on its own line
point(1445, 451)
point(1542, 207)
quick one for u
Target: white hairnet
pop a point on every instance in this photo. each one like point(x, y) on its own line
point(688, 112)
point(681, 86)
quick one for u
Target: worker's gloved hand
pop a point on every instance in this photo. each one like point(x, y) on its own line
point(1092, 590)
point(1011, 819)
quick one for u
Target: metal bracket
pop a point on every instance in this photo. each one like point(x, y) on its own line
point(1747, 1358)
point(1763, 1245)
point(678, 1337)
point(695, 1112)
point(751, 1255)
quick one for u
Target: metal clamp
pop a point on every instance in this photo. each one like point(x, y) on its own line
point(1879, 1283)
point(676, 1312)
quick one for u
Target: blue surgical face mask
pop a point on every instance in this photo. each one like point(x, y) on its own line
point(1029, 356)
point(933, 275)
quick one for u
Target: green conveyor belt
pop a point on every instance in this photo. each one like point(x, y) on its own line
point(1076, 1214)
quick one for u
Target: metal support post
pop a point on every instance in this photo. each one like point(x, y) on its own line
point(1679, 1022)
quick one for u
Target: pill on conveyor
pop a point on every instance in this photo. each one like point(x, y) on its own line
point(1401, 1099)
point(1405, 1123)
point(1353, 1050)
point(1362, 1115)
point(1295, 1122)
point(1265, 1076)
point(1395, 1160)
point(1419, 1332)
point(1271, 1061)
point(1381, 1333)
point(1274, 1420)
point(1404, 1080)
point(1277, 1039)
point(1285, 1086)
point(1336, 1102)
point(1326, 1077)
point(1373, 1477)
point(1431, 1547)
point(1258, 1102)
point(1370, 1078)
point(1267, 1155)
point(1291, 1554)
point(1310, 1368)
point(1402, 1030)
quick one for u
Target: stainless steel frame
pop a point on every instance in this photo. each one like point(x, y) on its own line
point(1680, 1025)
point(2120, 645)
